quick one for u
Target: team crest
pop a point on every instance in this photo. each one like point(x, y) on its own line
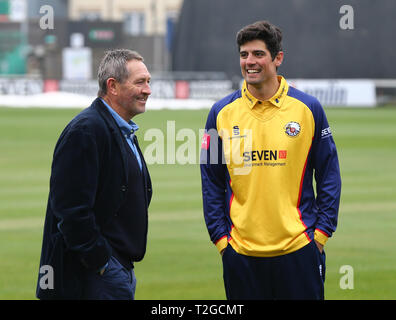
point(292, 129)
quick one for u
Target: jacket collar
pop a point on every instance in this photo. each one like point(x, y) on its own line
point(98, 105)
point(126, 127)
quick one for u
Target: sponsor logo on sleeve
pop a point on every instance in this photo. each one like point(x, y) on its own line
point(326, 132)
point(205, 141)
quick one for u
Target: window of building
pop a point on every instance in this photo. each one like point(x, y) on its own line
point(90, 15)
point(134, 23)
point(171, 20)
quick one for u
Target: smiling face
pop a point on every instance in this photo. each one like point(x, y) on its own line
point(130, 95)
point(257, 65)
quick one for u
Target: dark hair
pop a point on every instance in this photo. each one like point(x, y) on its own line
point(113, 65)
point(262, 30)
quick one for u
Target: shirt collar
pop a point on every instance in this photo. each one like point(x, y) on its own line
point(126, 127)
point(276, 100)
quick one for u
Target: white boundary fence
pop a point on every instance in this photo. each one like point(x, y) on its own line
point(193, 94)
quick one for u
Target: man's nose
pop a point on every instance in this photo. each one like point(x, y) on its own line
point(250, 59)
point(147, 89)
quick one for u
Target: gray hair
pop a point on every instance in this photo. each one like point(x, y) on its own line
point(113, 65)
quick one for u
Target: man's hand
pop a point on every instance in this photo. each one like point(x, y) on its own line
point(320, 246)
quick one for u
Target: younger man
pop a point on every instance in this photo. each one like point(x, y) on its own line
point(260, 207)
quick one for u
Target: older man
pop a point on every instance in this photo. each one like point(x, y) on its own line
point(100, 190)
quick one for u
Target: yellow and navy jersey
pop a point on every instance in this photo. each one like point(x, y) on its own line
point(258, 161)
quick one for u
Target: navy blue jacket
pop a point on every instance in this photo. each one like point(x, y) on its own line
point(88, 186)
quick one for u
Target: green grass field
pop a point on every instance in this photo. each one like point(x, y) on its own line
point(181, 262)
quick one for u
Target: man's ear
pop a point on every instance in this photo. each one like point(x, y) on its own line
point(112, 86)
point(279, 59)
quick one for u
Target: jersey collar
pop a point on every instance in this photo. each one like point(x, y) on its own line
point(276, 100)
